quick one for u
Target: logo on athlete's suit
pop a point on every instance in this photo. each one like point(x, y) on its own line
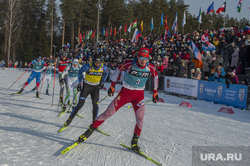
point(141, 103)
point(219, 91)
point(241, 94)
point(201, 88)
point(117, 99)
point(168, 83)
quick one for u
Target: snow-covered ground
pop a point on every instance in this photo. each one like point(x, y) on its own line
point(28, 129)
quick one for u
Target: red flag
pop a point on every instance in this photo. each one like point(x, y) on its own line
point(80, 38)
point(166, 23)
point(125, 29)
point(93, 35)
point(106, 34)
point(222, 8)
point(110, 31)
point(115, 31)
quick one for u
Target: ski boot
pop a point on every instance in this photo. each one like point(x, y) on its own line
point(134, 144)
point(19, 92)
point(68, 122)
point(37, 95)
point(47, 92)
point(87, 133)
point(61, 101)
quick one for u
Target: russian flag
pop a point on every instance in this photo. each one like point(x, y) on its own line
point(210, 8)
point(197, 53)
point(136, 35)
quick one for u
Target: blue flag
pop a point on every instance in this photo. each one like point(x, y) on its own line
point(162, 19)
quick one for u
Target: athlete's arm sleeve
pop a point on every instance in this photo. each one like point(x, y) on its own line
point(118, 71)
point(105, 74)
point(84, 68)
point(155, 77)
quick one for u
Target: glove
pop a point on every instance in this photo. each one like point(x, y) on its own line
point(155, 97)
point(101, 85)
point(61, 81)
point(79, 87)
point(111, 91)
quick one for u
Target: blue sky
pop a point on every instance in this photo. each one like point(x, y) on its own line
point(230, 10)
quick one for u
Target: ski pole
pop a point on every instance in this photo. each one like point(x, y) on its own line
point(54, 83)
point(43, 79)
point(72, 104)
point(102, 99)
point(18, 78)
point(144, 103)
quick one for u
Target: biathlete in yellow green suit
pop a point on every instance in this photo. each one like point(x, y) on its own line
point(96, 74)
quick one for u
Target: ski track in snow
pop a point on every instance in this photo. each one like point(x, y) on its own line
point(28, 129)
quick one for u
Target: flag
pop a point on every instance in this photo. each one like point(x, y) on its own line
point(110, 31)
point(93, 35)
point(115, 31)
point(206, 45)
point(120, 28)
point(152, 24)
point(175, 24)
point(136, 35)
point(80, 38)
point(106, 34)
point(129, 28)
point(184, 19)
point(134, 24)
point(200, 17)
point(166, 23)
point(103, 31)
point(125, 28)
point(222, 8)
point(210, 8)
point(197, 53)
point(162, 19)
point(239, 6)
point(142, 25)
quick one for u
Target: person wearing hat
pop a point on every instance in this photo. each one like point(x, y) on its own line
point(96, 74)
point(71, 71)
point(48, 76)
point(63, 63)
point(38, 66)
point(136, 74)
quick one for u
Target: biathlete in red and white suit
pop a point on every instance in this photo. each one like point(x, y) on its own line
point(135, 78)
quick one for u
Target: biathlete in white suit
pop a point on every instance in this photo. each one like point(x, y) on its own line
point(48, 76)
point(38, 66)
point(136, 74)
point(72, 73)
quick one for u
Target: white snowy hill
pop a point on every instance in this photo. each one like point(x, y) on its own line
point(29, 137)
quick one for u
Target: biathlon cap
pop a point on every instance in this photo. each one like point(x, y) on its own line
point(97, 57)
point(144, 52)
point(75, 61)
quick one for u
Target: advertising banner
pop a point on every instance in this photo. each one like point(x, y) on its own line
point(234, 95)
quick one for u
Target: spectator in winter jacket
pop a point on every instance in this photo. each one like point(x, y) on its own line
point(197, 74)
point(221, 73)
point(212, 75)
point(234, 78)
point(235, 57)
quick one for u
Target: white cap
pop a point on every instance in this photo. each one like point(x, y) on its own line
point(75, 61)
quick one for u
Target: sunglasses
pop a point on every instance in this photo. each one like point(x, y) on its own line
point(143, 58)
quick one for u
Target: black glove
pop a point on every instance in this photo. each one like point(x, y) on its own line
point(79, 87)
point(111, 91)
point(61, 81)
point(101, 85)
point(155, 97)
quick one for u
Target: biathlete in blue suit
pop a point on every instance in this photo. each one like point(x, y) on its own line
point(38, 66)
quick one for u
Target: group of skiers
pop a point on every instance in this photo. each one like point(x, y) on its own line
point(89, 79)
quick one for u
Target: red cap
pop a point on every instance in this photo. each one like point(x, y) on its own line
point(144, 52)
